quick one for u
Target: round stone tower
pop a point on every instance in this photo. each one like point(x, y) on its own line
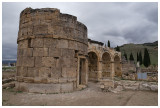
point(52, 52)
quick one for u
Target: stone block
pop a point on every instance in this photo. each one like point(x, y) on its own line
point(28, 52)
point(19, 78)
point(28, 79)
point(154, 87)
point(20, 52)
point(46, 52)
point(19, 61)
point(66, 87)
point(44, 80)
point(68, 72)
point(50, 43)
point(52, 80)
point(38, 62)
point(36, 88)
point(45, 72)
point(54, 52)
point(23, 44)
point(62, 43)
point(21, 71)
point(37, 80)
point(53, 88)
point(48, 61)
point(33, 72)
point(56, 72)
point(21, 86)
point(38, 52)
point(66, 62)
point(62, 80)
point(67, 53)
point(28, 61)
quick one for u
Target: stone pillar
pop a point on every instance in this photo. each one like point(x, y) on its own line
point(99, 76)
point(112, 70)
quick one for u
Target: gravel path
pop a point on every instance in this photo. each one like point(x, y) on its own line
point(91, 96)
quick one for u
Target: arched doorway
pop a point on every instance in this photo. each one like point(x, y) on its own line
point(117, 66)
point(106, 65)
point(92, 66)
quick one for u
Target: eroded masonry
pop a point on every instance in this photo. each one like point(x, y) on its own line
point(54, 54)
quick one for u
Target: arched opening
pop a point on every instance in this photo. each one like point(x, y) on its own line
point(106, 65)
point(117, 66)
point(92, 65)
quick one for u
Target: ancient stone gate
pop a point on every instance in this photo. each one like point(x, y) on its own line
point(52, 51)
point(103, 62)
point(54, 54)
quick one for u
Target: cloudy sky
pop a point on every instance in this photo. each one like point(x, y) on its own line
point(120, 23)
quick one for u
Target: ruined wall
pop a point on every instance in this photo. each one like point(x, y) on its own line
point(108, 61)
point(49, 44)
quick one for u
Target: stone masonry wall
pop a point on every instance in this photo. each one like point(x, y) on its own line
point(48, 45)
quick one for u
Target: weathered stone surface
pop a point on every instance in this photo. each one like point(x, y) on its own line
point(64, 45)
point(50, 42)
point(28, 61)
point(67, 87)
point(144, 86)
point(38, 62)
point(45, 72)
point(38, 52)
point(21, 71)
point(33, 72)
point(28, 52)
point(72, 45)
point(8, 85)
point(49, 45)
point(23, 44)
point(68, 72)
point(54, 52)
point(28, 79)
point(48, 61)
point(154, 87)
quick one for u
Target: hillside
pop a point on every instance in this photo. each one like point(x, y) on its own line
point(134, 48)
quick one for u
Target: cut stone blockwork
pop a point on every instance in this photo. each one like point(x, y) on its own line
point(103, 62)
point(52, 51)
point(55, 55)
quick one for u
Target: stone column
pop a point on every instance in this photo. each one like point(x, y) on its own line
point(112, 70)
point(99, 76)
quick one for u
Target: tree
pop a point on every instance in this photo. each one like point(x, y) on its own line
point(117, 48)
point(108, 43)
point(146, 60)
point(125, 55)
point(140, 58)
point(137, 57)
point(131, 58)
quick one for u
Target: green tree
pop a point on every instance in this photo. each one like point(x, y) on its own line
point(131, 58)
point(125, 55)
point(140, 58)
point(108, 43)
point(146, 60)
point(117, 48)
point(137, 57)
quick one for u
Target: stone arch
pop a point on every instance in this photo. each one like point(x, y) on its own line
point(117, 65)
point(106, 65)
point(92, 65)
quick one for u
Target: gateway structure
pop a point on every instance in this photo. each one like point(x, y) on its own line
point(52, 51)
point(53, 54)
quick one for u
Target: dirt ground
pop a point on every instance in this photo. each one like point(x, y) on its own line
point(91, 96)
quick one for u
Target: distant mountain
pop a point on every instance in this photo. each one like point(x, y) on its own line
point(151, 44)
point(134, 48)
point(6, 62)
